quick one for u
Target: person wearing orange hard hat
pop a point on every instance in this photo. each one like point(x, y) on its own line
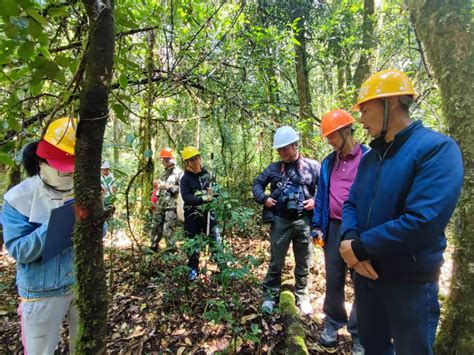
point(165, 191)
point(393, 221)
point(338, 171)
point(45, 286)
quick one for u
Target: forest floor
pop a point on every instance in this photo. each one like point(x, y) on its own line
point(154, 309)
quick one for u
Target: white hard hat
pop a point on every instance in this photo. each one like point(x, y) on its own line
point(284, 136)
point(105, 165)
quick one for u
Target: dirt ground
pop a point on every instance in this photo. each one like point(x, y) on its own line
point(153, 309)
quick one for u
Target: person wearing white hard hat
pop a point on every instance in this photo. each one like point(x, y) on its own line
point(289, 208)
point(107, 182)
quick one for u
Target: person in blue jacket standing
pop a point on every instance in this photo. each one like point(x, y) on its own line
point(338, 171)
point(393, 222)
point(44, 286)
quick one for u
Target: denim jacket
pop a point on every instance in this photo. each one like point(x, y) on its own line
point(25, 242)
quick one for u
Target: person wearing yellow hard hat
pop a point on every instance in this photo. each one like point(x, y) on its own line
point(166, 191)
point(393, 222)
point(196, 190)
point(44, 285)
point(338, 171)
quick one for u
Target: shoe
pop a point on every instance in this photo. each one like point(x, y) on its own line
point(193, 274)
point(328, 340)
point(357, 348)
point(305, 307)
point(267, 306)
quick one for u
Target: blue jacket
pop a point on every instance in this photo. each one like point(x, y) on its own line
point(274, 174)
point(321, 210)
point(24, 242)
point(401, 201)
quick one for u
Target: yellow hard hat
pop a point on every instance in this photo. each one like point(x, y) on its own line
point(61, 133)
point(189, 152)
point(385, 83)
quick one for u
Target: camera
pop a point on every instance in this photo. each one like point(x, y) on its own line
point(290, 197)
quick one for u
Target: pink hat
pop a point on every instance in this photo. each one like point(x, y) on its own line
point(58, 159)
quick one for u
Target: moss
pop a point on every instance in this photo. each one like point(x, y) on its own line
point(295, 332)
point(287, 304)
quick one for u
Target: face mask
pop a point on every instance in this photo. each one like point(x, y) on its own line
point(55, 179)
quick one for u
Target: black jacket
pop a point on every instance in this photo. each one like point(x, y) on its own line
point(191, 185)
point(307, 170)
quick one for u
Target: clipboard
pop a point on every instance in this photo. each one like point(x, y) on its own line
point(59, 233)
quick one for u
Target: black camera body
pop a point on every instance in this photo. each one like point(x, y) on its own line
point(290, 196)
point(287, 194)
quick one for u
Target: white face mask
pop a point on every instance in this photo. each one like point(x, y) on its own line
point(57, 180)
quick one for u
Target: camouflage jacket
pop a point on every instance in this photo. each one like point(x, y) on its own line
point(167, 197)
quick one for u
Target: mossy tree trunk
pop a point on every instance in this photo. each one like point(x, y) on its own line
point(294, 330)
point(89, 262)
point(445, 29)
point(146, 133)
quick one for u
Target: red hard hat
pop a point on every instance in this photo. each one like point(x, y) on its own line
point(166, 153)
point(334, 120)
point(57, 158)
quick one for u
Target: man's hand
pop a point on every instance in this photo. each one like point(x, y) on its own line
point(347, 253)
point(365, 269)
point(308, 204)
point(270, 202)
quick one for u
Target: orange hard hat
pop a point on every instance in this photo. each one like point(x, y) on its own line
point(166, 153)
point(334, 120)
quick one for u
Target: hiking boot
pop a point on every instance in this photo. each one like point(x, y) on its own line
point(305, 307)
point(267, 306)
point(193, 274)
point(328, 340)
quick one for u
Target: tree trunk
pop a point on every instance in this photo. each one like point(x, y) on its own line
point(444, 28)
point(302, 74)
point(117, 139)
point(146, 134)
point(294, 330)
point(89, 262)
point(364, 66)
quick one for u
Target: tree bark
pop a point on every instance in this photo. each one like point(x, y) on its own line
point(301, 10)
point(445, 30)
point(294, 330)
point(364, 66)
point(89, 261)
point(302, 74)
point(146, 133)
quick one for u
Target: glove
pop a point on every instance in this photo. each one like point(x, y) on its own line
point(318, 237)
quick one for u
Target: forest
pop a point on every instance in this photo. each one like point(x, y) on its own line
point(221, 76)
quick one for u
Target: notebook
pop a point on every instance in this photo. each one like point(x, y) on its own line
point(59, 234)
